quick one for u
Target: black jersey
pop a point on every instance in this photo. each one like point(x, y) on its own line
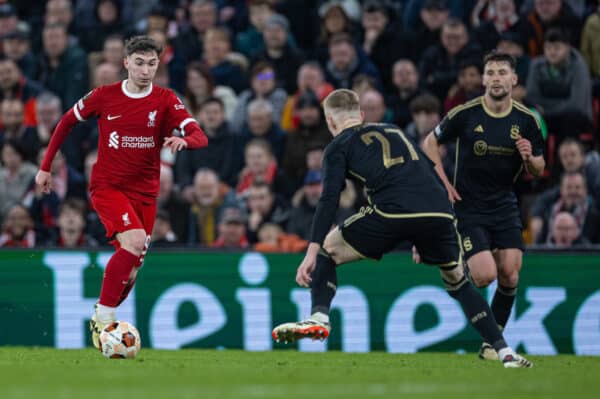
point(487, 160)
point(400, 180)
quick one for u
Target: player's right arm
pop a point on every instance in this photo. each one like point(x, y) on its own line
point(84, 108)
point(447, 129)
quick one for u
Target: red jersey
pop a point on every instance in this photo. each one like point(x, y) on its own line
point(131, 130)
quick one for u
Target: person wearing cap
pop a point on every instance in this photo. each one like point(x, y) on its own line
point(383, 40)
point(17, 47)
point(559, 84)
point(311, 132)
point(232, 230)
point(279, 52)
point(8, 19)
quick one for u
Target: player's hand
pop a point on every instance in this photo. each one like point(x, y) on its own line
point(415, 255)
point(176, 143)
point(453, 195)
point(307, 266)
point(43, 181)
point(524, 147)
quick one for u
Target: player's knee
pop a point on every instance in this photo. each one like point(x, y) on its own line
point(508, 278)
point(135, 242)
point(483, 279)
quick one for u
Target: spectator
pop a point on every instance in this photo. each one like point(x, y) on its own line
point(17, 47)
point(60, 12)
point(280, 53)
point(336, 18)
point(432, 16)
point(105, 74)
point(439, 64)
point(260, 125)
point(511, 43)
point(574, 199)
point(548, 14)
point(264, 207)
point(162, 234)
point(217, 49)
point(250, 42)
point(107, 15)
point(263, 86)
point(590, 47)
point(232, 230)
point(48, 110)
point(113, 52)
point(559, 84)
point(170, 59)
point(565, 233)
point(363, 83)
point(11, 112)
point(171, 201)
point(203, 16)
point(260, 166)
point(220, 156)
point(14, 85)
point(304, 205)
point(312, 132)
point(405, 78)
point(469, 85)
point(491, 19)
point(310, 77)
point(17, 229)
point(71, 225)
point(314, 158)
point(272, 238)
point(8, 19)
point(382, 40)
point(16, 175)
point(200, 86)
point(209, 199)
point(344, 63)
point(373, 106)
point(62, 69)
point(425, 112)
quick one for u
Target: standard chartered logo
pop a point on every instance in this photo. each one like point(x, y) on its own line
point(137, 142)
point(195, 311)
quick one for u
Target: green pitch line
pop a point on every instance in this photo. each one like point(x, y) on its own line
point(49, 373)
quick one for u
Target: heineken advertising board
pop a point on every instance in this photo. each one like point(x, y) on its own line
point(233, 300)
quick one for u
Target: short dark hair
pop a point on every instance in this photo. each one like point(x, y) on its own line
point(341, 38)
point(573, 141)
point(499, 56)
point(470, 63)
point(557, 35)
point(427, 103)
point(142, 44)
point(211, 100)
point(571, 174)
point(75, 204)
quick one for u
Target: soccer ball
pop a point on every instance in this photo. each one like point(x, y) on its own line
point(120, 340)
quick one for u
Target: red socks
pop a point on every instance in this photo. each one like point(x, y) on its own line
point(116, 277)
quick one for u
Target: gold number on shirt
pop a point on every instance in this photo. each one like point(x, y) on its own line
point(388, 161)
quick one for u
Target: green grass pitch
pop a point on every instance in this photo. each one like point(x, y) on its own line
point(49, 373)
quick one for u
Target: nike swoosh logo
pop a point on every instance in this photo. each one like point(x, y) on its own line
point(110, 117)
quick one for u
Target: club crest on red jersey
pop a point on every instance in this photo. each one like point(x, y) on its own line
point(151, 118)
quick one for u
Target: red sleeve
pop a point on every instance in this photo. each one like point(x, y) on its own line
point(177, 115)
point(194, 136)
point(58, 137)
point(88, 105)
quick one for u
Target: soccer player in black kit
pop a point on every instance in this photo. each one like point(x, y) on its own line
point(407, 201)
point(496, 138)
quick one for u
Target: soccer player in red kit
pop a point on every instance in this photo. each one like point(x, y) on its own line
point(135, 120)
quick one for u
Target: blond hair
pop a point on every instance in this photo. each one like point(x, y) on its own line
point(342, 103)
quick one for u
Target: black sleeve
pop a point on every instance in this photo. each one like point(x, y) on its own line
point(534, 135)
point(450, 127)
point(334, 179)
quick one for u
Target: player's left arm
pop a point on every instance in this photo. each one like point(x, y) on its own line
point(531, 149)
point(179, 118)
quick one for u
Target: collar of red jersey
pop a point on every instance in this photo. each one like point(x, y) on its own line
point(135, 95)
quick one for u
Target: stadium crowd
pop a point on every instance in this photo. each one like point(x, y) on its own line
point(253, 73)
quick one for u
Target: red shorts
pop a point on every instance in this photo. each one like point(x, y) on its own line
point(120, 213)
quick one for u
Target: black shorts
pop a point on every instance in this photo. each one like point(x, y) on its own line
point(372, 233)
point(485, 234)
